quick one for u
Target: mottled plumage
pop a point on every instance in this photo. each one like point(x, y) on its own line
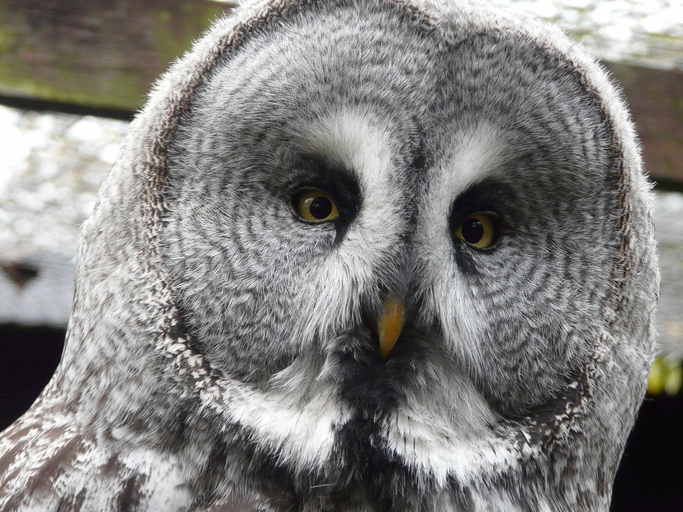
point(221, 352)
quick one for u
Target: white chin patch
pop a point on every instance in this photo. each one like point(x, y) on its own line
point(301, 434)
point(439, 452)
point(447, 433)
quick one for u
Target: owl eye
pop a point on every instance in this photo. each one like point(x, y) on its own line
point(478, 230)
point(315, 206)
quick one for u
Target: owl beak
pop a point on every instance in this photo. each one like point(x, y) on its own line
point(390, 324)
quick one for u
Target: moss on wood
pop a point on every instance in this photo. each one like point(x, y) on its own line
point(96, 53)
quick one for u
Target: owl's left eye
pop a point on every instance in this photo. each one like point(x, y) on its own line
point(315, 206)
point(479, 230)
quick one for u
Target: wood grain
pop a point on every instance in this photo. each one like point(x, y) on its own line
point(97, 52)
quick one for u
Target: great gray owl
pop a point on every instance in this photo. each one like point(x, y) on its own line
point(358, 255)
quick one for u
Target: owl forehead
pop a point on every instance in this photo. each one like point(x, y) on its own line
point(364, 142)
point(385, 96)
point(415, 119)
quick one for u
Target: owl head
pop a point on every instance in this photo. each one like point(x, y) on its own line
point(374, 254)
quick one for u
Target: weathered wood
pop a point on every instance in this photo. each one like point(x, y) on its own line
point(656, 99)
point(97, 52)
point(106, 54)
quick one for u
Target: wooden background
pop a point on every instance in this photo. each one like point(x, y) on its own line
point(103, 55)
point(97, 53)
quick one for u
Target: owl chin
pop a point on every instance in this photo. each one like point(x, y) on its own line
point(401, 425)
point(366, 380)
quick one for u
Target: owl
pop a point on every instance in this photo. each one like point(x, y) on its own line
point(357, 255)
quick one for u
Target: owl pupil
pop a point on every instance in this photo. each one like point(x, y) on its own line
point(472, 230)
point(320, 207)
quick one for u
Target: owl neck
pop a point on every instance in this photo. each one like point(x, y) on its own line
point(367, 463)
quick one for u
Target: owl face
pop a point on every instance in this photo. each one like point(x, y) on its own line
point(354, 158)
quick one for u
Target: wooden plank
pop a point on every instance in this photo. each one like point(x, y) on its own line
point(656, 100)
point(96, 52)
point(106, 54)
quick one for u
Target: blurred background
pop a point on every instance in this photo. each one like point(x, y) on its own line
point(73, 73)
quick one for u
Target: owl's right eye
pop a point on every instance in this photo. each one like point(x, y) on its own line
point(315, 206)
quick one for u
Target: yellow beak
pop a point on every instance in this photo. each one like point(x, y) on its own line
point(390, 324)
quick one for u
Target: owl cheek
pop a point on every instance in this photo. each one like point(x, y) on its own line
point(527, 365)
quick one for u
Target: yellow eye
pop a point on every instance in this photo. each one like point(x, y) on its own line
point(478, 230)
point(316, 206)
